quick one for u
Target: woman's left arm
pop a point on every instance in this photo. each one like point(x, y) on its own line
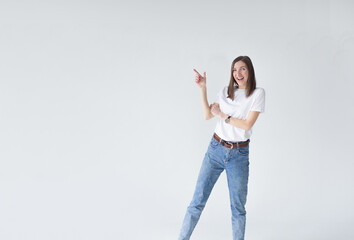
point(244, 124)
point(236, 122)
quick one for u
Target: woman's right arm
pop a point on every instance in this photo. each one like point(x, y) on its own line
point(205, 105)
point(201, 81)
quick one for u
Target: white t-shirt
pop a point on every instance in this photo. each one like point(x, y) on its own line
point(238, 108)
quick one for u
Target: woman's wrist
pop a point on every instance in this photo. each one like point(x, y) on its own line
point(223, 116)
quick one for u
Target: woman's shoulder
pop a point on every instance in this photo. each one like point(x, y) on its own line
point(259, 90)
point(259, 93)
point(223, 90)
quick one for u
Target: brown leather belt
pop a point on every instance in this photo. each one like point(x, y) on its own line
point(229, 144)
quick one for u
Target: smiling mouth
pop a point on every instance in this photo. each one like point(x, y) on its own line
point(239, 78)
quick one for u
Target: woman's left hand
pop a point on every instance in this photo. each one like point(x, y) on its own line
point(215, 109)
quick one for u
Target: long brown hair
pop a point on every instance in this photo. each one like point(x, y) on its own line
point(251, 82)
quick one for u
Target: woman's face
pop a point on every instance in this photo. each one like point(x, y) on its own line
point(240, 73)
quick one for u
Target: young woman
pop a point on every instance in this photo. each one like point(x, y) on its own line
point(237, 109)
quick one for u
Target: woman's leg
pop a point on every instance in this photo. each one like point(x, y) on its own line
point(208, 175)
point(237, 170)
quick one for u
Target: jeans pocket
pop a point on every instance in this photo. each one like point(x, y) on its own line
point(244, 151)
point(214, 143)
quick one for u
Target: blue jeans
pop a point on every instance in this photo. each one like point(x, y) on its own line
point(235, 162)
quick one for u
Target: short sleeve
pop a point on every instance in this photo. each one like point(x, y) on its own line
point(219, 95)
point(259, 101)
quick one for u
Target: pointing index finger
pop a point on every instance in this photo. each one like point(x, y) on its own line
point(197, 72)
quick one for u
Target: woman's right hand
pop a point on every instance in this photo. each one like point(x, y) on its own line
point(199, 79)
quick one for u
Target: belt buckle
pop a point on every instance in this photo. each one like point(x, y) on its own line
point(232, 146)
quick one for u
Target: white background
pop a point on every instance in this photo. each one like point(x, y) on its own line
point(101, 129)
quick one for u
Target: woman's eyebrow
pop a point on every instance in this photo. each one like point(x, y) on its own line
point(241, 67)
